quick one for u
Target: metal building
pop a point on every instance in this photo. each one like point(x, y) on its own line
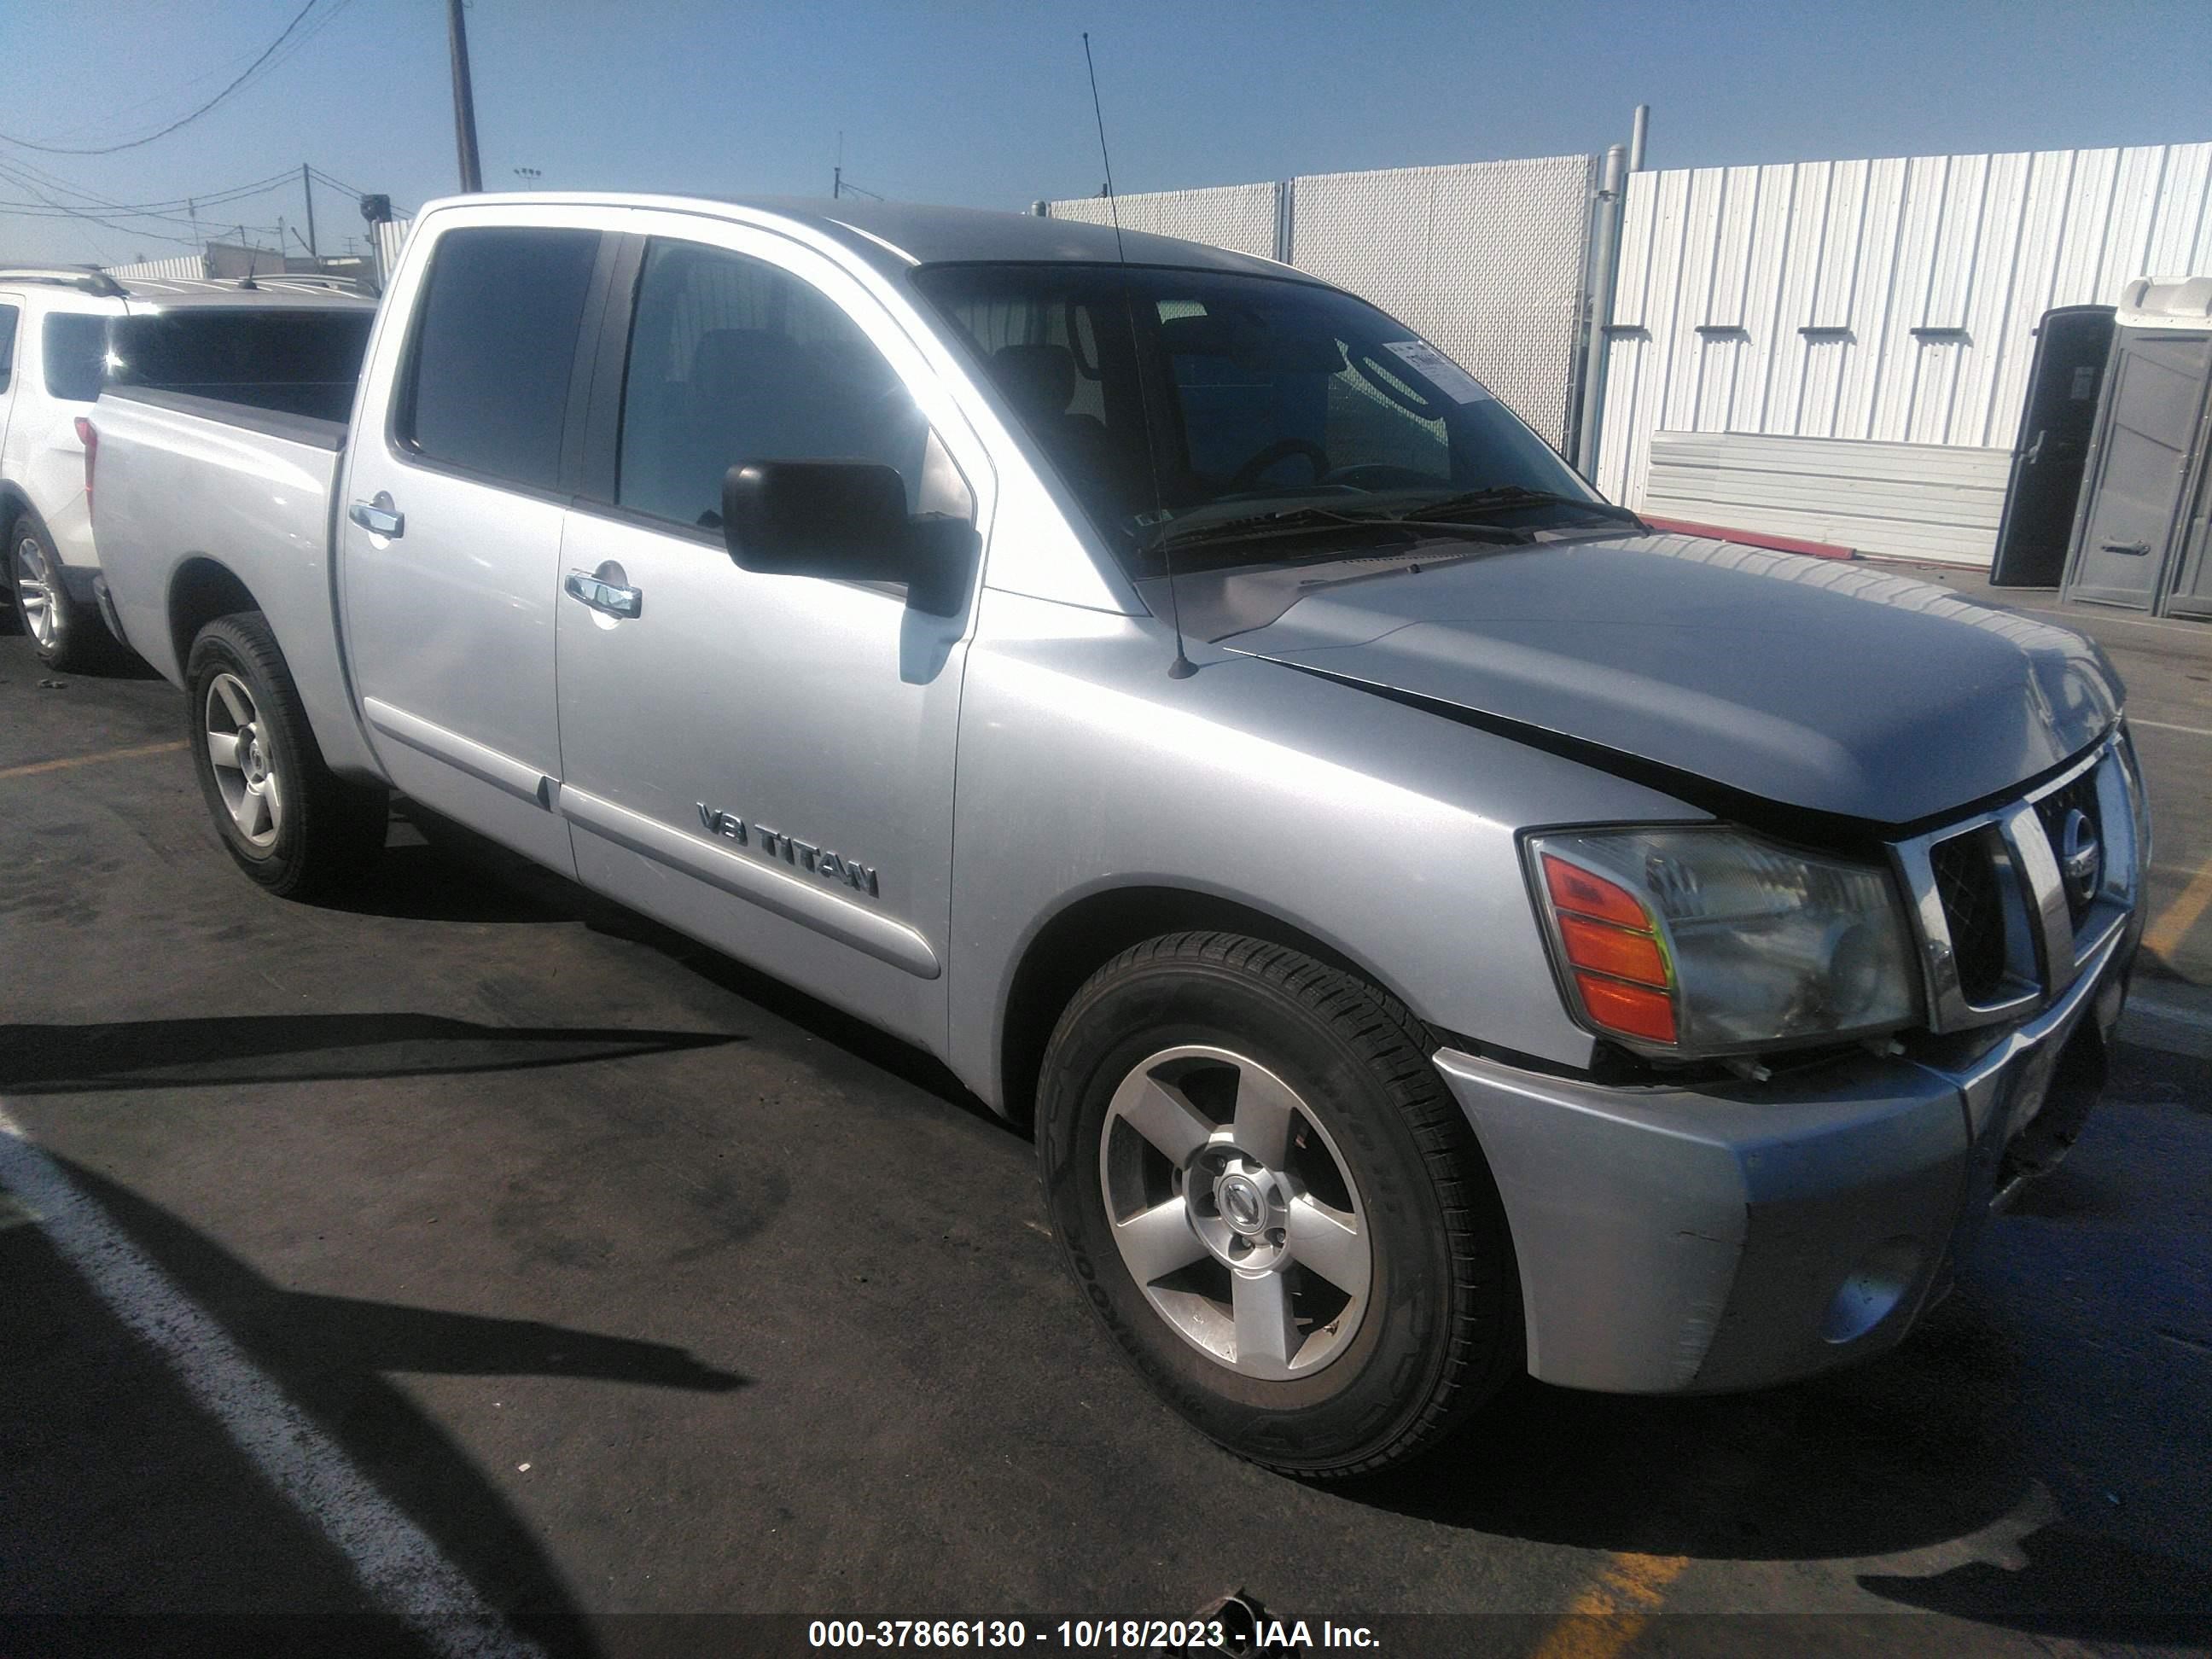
point(1840, 350)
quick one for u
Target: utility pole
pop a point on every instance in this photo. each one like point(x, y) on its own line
point(465, 100)
point(308, 189)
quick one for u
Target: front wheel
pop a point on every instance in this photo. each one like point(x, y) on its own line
point(1275, 1206)
point(289, 823)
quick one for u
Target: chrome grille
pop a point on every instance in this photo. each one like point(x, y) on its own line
point(1966, 881)
point(2000, 932)
point(2054, 809)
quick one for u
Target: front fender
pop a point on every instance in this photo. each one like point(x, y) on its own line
point(1382, 831)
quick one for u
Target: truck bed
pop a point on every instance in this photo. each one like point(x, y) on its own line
point(189, 491)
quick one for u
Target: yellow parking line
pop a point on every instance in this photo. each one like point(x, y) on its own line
point(1611, 1611)
point(91, 760)
point(2170, 928)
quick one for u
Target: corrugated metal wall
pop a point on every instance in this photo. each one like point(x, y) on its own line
point(390, 237)
point(1488, 258)
point(184, 265)
point(1890, 301)
point(1911, 501)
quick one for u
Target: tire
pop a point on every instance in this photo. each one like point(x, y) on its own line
point(68, 636)
point(1164, 1086)
point(290, 823)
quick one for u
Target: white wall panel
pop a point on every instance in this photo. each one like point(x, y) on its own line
point(1827, 269)
point(1904, 500)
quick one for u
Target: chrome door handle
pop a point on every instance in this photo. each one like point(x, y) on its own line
point(2137, 548)
point(603, 595)
point(378, 516)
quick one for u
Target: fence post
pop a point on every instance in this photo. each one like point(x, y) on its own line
point(1605, 266)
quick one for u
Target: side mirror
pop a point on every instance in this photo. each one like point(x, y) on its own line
point(843, 521)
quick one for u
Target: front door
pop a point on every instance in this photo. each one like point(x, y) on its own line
point(2157, 394)
point(2071, 346)
point(449, 532)
point(763, 761)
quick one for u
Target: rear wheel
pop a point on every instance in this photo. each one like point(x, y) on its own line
point(290, 823)
point(1275, 1206)
point(66, 635)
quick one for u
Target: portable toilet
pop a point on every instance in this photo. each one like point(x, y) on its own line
point(2140, 532)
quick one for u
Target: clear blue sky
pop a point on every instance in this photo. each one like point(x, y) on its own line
point(986, 104)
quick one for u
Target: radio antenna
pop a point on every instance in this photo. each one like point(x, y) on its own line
point(1182, 668)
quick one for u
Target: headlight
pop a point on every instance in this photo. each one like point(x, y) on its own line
point(1702, 941)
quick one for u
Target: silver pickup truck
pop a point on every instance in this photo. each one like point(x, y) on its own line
point(1438, 927)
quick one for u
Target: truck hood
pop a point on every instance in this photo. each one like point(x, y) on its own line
point(1827, 686)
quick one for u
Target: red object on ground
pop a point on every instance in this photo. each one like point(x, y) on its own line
point(1753, 538)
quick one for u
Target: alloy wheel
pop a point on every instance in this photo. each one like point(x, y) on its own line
point(37, 596)
point(244, 767)
point(1235, 1212)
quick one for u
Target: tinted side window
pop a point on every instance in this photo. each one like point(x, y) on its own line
point(76, 348)
point(495, 345)
point(7, 345)
point(734, 360)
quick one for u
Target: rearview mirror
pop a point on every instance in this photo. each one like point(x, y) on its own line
point(844, 521)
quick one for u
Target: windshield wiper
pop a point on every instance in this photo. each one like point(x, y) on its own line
point(1506, 497)
point(1306, 520)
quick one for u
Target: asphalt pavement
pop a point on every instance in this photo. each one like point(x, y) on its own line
point(478, 1237)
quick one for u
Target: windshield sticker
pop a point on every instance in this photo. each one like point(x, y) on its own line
point(1440, 371)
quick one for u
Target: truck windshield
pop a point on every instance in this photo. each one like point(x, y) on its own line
point(1194, 408)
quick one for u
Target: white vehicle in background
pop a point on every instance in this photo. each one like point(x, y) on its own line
point(66, 331)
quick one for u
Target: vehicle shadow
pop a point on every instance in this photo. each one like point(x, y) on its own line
point(1926, 1453)
point(434, 869)
point(127, 1496)
point(2075, 1585)
point(1907, 1451)
point(237, 1048)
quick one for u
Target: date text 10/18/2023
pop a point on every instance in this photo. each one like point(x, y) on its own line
point(1201, 1636)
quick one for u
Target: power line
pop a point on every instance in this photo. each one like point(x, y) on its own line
point(109, 150)
point(39, 177)
point(83, 216)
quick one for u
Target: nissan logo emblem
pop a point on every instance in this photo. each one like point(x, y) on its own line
point(2080, 859)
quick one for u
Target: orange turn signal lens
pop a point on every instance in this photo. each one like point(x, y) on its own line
point(1613, 945)
point(1575, 889)
point(1631, 1009)
point(1620, 951)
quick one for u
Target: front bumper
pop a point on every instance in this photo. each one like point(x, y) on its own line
point(1675, 1240)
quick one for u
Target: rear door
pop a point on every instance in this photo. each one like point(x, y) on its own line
point(449, 534)
point(763, 761)
point(2158, 391)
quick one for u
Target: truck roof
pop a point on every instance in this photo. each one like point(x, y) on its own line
point(897, 235)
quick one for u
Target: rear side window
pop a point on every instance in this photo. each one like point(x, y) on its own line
point(75, 349)
point(734, 360)
point(495, 346)
point(7, 345)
